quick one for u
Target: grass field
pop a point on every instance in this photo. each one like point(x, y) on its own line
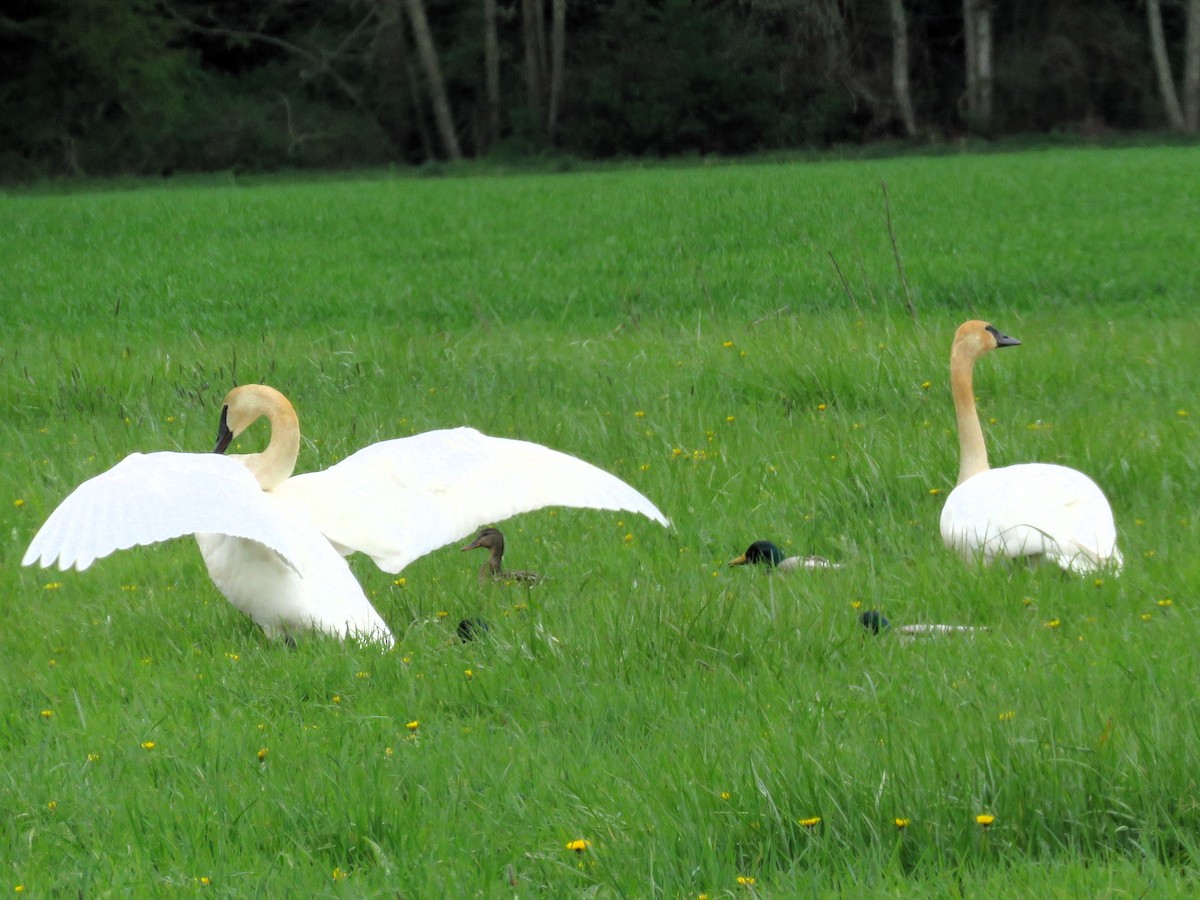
point(686, 329)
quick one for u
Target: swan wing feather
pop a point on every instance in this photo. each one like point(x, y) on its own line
point(1032, 509)
point(152, 497)
point(400, 499)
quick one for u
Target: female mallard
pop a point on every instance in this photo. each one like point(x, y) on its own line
point(768, 554)
point(493, 540)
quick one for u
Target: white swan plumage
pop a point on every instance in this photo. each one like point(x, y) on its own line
point(274, 542)
point(1034, 510)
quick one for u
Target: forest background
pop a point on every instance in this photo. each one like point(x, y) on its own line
point(136, 87)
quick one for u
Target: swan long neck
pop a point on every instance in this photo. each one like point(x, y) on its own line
point(972, 452)
point(244, 406)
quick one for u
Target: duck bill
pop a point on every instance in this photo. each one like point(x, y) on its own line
point(740, 561)
point(471, 546)
point(224, 435)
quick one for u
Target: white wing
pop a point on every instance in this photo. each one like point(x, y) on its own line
point(1031, 510)
point(146, 498)
point(398, 500)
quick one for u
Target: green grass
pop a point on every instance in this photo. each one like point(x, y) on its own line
point(684, 328)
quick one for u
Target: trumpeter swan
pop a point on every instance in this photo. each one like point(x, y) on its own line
point(274, 542)
point(768, 554)
point(1034, 510)
point(493, 568)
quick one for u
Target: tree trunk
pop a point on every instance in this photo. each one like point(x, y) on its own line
point(1191, 69)
point(1162, 66)
point(433, 74)
point(977, 35)
point(900, 84)
point(558, 52)
point(491, 65)
point(389, 58)
point(534, 80)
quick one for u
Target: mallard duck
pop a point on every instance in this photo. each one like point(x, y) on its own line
point(493, 568)
point(1032, 510)
point(875, 622)
point(274, 542)
point(768, 554)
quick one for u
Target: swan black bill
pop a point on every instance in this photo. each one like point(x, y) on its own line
point(1002, 339)
point(224, 435)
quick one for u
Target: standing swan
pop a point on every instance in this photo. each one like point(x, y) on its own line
point(1031, 510)
point(274, 543)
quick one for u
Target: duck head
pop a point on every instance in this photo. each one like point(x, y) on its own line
point(760, 552)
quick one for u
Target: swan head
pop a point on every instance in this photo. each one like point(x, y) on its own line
point(760, 552)
point(975, 338)
point(491, 538)
point(244, 406)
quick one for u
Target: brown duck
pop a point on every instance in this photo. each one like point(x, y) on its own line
point(493, 569)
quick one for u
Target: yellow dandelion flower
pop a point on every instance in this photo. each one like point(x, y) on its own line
point(1165, 602)
point(810, 823)
point(856, 604)
point(1026, 601)
point(933, 492)
point(902, 823)
point(628, 538)
point(148, 745)
point(47, 714)
point(204, 880)
point(1182, 413)
point(640, 414)
point(1146, 617)
point(170, 420)
point(746, 880)
point(93, 757)
point(262, 754)
point(52, 805)
point(362, 674)
point(727, 344)
point(578, 846)
point(821, 407)
point(985, 819)
point(335, 699)
point(400, 581)
point(1099, 582)
point(18, 503)
point(731, 418)
point(19, 889)
point(53, 585)
point(926, 385)
point(338, 872)
point(1008, 715)
point(413, 725)
point(1053, 623)
point(442, 614)
point(387, 751)
point(644, 467)
point(470, 673)
point(725, 795)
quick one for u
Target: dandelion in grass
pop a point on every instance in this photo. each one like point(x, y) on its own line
point(727, 344)
point(731, 419)
point(18, 503)
point(725, 795)
point(1146, 617)
point(93, 757)
point(262, 754)
point(413, 725)
point(400, 582)
point(985, 820)
point(821, 407)
point(339, 873)
point(442, 614)
point(1099, 582)
point(812, 822)
point(640, 414)
point(1182, 413)
point(52, 805)
point(47, 714)
point(53, 586)
point(902, 823)
point(148, 745)
point(628, 539)
point(1008, 715)
point(470, 673)
point(926, 385)
point(1053, 623)
point(578, 846)
point(19, 889)
point(746, 880)
point(204, 881)
point(933, 492)
point(856, 604)
point(1165, 602)
point(644, 467)
point(362, 674)
point(1027, 601)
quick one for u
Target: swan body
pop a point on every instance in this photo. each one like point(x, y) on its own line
point(767, 554)
point(1032, 510)
point(274, 543)
point(493, 540)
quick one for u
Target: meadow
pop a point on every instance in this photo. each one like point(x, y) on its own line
point(707, 731)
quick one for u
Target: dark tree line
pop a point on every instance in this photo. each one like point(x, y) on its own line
point(144, 86)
